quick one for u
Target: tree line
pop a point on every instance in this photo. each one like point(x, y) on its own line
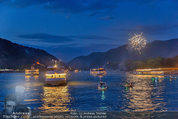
point(158, 62)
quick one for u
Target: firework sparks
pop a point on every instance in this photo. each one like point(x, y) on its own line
point(137, 42)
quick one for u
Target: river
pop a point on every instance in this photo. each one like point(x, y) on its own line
point(81, 93)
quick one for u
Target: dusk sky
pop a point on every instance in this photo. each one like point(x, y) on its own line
point(70, 28)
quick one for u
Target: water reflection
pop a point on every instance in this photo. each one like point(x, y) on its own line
point(102, 95)
point(143, 95)
point(136, 115)
point(103, 102)
point(81, 93)
point(55, 99)
point(34, 77)
point(80, 83)
point(33, 90)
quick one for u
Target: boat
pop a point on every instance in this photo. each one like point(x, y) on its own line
point(172, 77)
point(32, 71)
point(76, 70)
point(102, 86)
point(129, 84)
point(98, 71)
point(55, 76)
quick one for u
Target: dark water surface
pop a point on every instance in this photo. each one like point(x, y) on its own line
point(81, 93)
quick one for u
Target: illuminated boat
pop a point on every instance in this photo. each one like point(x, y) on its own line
point(102, 86)
point(54, 76)
point(172, 77)
point(129, 84)
point(76, 70)
point(98, 71)
point(32, 71)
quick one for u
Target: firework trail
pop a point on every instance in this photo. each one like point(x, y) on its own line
point(137, 42)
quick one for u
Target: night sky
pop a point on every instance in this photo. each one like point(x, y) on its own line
point(70, 28)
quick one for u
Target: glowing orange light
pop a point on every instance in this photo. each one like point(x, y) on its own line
point(37, 62)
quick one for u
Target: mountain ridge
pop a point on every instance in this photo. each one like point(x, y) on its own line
point(117, 56)
point(13, 55)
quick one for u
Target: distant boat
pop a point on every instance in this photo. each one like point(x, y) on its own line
point(102, 86)
point(172, 77)
point(98, 71)
point(55, 76)
point(129, 84)
point(76, 70)
point(32, 71)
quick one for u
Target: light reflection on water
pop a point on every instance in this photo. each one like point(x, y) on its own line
point(77, 83)
point(102, 107)
point(81, 93)
point(55, 99)
point(142, 97)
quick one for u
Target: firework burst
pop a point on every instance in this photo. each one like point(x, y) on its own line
point(137, 42)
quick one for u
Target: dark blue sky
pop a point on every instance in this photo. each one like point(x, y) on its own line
point(69, 28)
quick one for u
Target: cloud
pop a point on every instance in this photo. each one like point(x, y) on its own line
point(43, 37)
point(68, 6)
point(104, 8)
point(143, 1)
point(150, 29)
point(107, 18)
point(90, 37)
point(49, 40)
